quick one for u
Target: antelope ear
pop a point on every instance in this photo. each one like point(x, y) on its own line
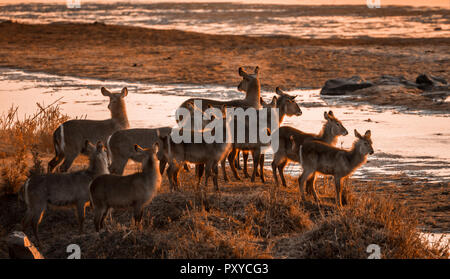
point(242, 73)
point(99, 145)
point(124, 92)
point(325, 115)
point(223, 109)
point(190, 105)
point(137, 148)
point(357, 134)
point(368, 134)
point(279, 91)
point(256, 70)
point(156, 147)
point(274, 101)
point(330, 113)
point(105, 92)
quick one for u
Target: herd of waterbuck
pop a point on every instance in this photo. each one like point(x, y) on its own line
point(103, 185)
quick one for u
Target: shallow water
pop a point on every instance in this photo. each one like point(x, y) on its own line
point(405, 142)
point(235, 19)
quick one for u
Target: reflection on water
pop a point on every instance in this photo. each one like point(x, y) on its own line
point(237, 19)
point(414, 143)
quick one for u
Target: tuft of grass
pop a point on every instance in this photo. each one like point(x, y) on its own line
point(13, 172)
point(31, 130)
point(19, 136)
point(369, 219)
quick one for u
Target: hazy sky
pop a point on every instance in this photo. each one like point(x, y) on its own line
point(437, 3)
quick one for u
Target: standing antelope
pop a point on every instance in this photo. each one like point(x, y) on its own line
point(286, 107)
point(121, 147)
point(250, 85)
point(245, 153)
point(121, 144)
point(63, 189)
point(320, 157)
point(69, 137)
point(135, 190)
point(331, 130)
point(202, 153)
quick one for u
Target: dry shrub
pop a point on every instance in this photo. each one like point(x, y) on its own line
point(18, 136)
point(370, 219)
point(202, 234)
point(272, 214)
point(13, 172)
point(36, 129)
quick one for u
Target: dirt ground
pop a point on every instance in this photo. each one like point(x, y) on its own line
point(170, 56)
point(244, 220)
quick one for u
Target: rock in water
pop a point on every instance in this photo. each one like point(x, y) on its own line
point(20, 247)
point(429, 82)
point(343, 86)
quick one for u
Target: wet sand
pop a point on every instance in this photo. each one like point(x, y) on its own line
point(171, 56)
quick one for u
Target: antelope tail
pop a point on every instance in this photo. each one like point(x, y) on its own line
point(58, 140)
point(90, 196)
point(300, 154)
point(108, 150)
point(25, 193)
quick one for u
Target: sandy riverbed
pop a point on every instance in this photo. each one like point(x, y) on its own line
point(170, 56)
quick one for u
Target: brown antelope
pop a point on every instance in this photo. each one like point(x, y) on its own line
point(249, 84)
point(202, 153)
point(69, 137)
point(63, 189)
point(121, 144)
point(245, 153)
point(331, 130)
point(135, 190)
point(319, 157)
point(121, 147)
point(286, 107)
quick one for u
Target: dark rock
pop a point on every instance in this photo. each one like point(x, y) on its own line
point(394, 80)
point(435, 88)
point(429, 82)
point(342, 86)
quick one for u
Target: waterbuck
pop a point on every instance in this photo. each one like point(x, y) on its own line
point(331, 130)
point(121, 147)
point(135, 190)
point(250, 85)
point(213, 147)
point(69, 137)
point(286, 107)
point(319, 157)
point(121, 144)
point(245, 153)
point(63, 189)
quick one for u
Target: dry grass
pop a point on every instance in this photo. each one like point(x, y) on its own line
point(242, 221)
point(31, 130)
point(21, 136)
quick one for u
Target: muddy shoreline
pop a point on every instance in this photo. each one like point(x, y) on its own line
point(170, 56)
